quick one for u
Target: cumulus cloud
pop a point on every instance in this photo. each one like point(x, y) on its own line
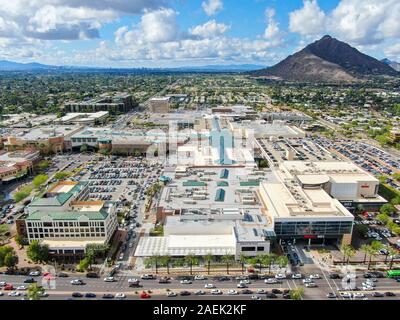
point(210, 29)
point(65, 19)
point(361, 22)
point(272, 31)
point(308, 20)
point(212, 7)
point(160, 25)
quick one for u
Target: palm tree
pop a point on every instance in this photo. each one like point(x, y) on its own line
point(282, 261)
point(156, 259)
point(228, 258)
point(365, 248)
point(371, 252)
point(242, 260)
point(209, 258)
point(348, 251)
point(270, 260)
point(166, 260)
point(190, 259)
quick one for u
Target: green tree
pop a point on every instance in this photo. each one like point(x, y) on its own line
point(228, 259)
point(191, 259)
point(383, 217)
point(209, 258)
point(39, 180)
point(84, 148)
point(297, 294)
point(20, 240)
point(43, 165)
point(35, 291)
point(11, 260)
point(4, 232)
point(62, 175)
point(365, 249)
point(388, 209)
point(83, 265)
point(38, 252)
point(348, 252)
point(282, 261)
point(166, 260)
point(4, 251)
point(242, 260)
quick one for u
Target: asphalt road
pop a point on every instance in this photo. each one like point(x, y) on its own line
point(64, 288)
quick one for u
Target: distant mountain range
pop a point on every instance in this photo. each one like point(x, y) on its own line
point(16, 66)
point(395, 65)
point(326, 60)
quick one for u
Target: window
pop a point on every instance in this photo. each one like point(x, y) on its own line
point(260, 248)
point(246, 249)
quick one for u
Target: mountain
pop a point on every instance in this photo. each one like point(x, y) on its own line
point(326, 60)
point(395, 65)
point(16, 66)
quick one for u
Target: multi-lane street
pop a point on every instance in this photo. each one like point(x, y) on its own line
point(64, 289)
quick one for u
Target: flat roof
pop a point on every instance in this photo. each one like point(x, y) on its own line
point(69, 244)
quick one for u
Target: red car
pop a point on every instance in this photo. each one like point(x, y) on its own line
point(145, 295)
point(8, 287)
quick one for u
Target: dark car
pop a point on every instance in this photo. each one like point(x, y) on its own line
point(334, 276)
point(390, 294)
point(185, 293)
point(272, 295)
point(287, 296)
point(246, 291)
point(63, 275)
point(108, 296)
point(224, 279)
point(90, 295)
point(29, 280)
point(77, 295)
point(92, 275)
point(276, 291)
point(253, 277)
point(378, 295)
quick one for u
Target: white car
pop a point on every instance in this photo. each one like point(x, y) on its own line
point(368, 284)
point(199, 277)
point(209, 286)
point(14, 294)
point(34, 273)
point(109, 279)
point(120, 295)
point(3, 283)
point(368, 288)
point(21, 288)
point(307, 280)
point(297, 276)
point(311, 285)
point(347, 295)
point(171, 294)
point(315, 276)
point(1, 293)
point(76, 282)
point(186, 281)
point(255, 297)
point(216, 292)
point(358, 295)
point(261, 291)
point(232, 292)
point(245, 281)
point(271, 280)
point(241, 285)
point(280, 276)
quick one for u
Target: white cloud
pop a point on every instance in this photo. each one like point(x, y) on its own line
point(160, 25)
point(210, 29)
point(360, 22)
point(272, 31)
point(212, 7)
point(393, 52)
point(308, 20)
point(65, 19)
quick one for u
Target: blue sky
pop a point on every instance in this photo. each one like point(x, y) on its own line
point(164, 33)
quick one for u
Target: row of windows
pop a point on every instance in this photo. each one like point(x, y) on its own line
point(84, 140)
point(73, 235)
point(249, 249)
point(66, 224)
point(76, 230)
point(313, 228)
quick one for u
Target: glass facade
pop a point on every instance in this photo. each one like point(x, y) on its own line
point(317, 228)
